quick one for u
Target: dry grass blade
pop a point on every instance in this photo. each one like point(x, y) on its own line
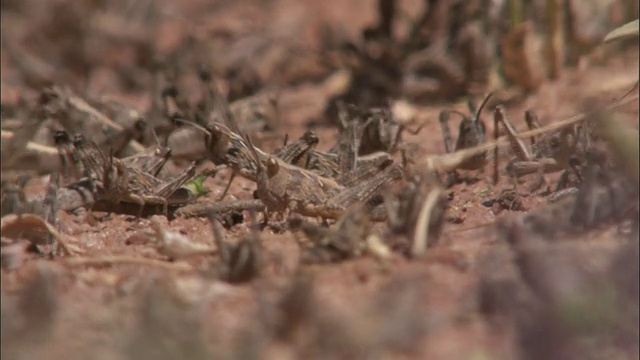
point(625, 31)
point(377, 248)
point(420, 240)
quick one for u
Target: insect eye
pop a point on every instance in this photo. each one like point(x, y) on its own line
point(61, 137)
point(311, 137)
point(272, 167)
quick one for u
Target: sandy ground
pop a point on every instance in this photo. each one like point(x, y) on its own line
point(98, 309)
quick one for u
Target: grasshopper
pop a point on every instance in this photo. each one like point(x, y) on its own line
point(381, 131)
point(322, 164)
point(283, 186)
point(226, 147)
point(471, 133)
point(604, 196)
point(419, 212)
point(302, 153)
point(547, 154)
point(240, 262)
point(298, 152)
point(118, 183)
point(77, 116)
point(343, 240)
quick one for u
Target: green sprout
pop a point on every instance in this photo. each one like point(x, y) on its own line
point(196, 186)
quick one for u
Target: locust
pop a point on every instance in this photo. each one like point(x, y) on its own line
point(605, 195)
point(29, 144)
point(117, 183)
point(226, 147)
point(381, 132)
point(283, 186)
point(242, 261)
point(418, 213)
point(77, 116)
point(330, 164)
point(471, 133)
point(299, 152)
point(345, 239)
point(553, 152)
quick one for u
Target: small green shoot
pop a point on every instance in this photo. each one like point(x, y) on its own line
point(197, 187)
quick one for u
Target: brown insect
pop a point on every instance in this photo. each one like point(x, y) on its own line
point(77, 116)
point(321, 163)
point(342, 162)
point(471, 133)
point(226, 147)
point(380, 132)
point(283, 186)
point(604, 196)
point(345, 239)
point(547, 154)
point(240, 262)
point(418, 213)
point(298, 152)
point(116, 183)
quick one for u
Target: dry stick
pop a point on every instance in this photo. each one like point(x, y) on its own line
point(40, 148)
point(555, 37)
point(496, 135)
point(204, 208)
point(110, 260)
point(450, 161)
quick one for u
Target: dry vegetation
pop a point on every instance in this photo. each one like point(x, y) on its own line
point(280, 179)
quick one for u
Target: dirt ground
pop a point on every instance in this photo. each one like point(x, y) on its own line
point(429, 307)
